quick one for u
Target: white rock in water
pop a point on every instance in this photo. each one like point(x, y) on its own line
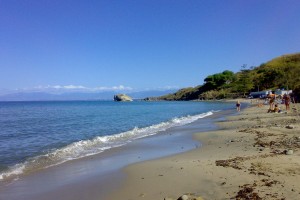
point(122, 97)
point(289, 152)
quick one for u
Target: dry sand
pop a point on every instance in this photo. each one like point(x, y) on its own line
point(245, 159)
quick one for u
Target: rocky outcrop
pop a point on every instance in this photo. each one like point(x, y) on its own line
point(122, 97)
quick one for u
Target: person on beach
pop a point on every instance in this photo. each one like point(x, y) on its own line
point(271, 101)
point(287, 101)
point(275, 110)
point(238, 105)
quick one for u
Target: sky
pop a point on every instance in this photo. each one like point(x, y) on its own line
point(138, 44)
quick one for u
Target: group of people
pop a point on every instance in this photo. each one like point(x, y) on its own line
point(274, 104)
point(274, 107)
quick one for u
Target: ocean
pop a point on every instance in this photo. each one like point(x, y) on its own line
point(37, 135)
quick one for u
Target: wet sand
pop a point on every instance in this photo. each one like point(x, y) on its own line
point(95, 177)
point(244, 156)
point(254, 155)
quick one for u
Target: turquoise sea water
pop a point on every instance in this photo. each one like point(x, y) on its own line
point(35, 135)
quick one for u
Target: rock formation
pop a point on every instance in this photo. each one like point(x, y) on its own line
point(122, 97)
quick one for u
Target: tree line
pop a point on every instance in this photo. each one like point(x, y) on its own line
point(280, 73)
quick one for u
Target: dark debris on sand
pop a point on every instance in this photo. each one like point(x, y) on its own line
point(279, 144)
point(247, 193)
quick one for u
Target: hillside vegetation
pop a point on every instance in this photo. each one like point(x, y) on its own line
point(281, 72)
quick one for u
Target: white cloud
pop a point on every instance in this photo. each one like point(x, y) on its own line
point(81, 88)
point(74, 87)
point(59, 89)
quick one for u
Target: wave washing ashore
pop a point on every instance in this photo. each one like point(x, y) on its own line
point(254, 155)
point(37, 135)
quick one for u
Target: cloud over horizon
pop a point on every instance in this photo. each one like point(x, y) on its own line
point(66, 88)
point(60, 89)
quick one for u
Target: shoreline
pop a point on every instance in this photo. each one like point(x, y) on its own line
point(252, 155)
point(94, 176)
point(15, 165)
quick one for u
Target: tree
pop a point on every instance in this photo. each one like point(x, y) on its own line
point(270, 78)
point(244, 83)
point(219, 80)
point(256, 77)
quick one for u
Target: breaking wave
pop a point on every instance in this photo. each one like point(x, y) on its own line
point(94, 146)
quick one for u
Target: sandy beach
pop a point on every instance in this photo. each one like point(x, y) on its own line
point(94, 176)
point(250, 154)
point(253, 155)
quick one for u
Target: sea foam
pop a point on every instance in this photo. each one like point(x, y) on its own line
point(94, 146)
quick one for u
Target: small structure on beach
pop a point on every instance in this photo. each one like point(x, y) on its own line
point(265, 93)
point(260, 94)
point(283, 92)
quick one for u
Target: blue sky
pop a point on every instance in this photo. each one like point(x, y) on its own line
point(138, 44)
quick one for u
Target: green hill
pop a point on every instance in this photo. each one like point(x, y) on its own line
point(280, 72)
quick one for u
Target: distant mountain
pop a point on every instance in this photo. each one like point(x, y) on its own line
point(108, 95)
